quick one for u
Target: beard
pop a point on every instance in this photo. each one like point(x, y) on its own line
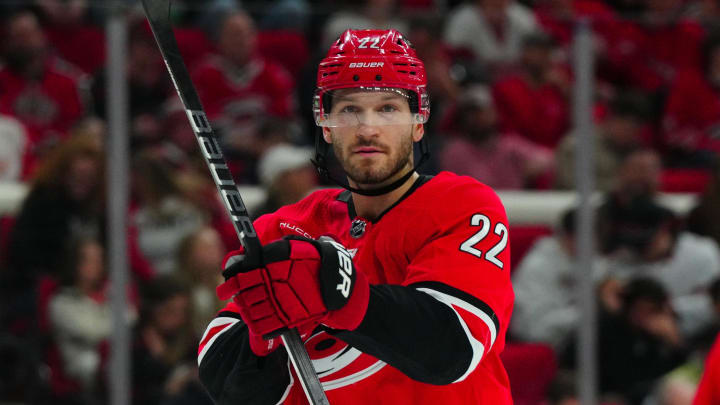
point(362, 171)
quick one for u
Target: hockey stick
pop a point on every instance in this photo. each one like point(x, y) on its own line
point(158, 14)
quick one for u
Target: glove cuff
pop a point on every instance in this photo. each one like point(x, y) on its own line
point(352, 314)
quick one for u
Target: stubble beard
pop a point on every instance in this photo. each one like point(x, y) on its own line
point(363, 173)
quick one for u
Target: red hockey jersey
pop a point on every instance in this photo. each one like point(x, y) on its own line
point(447, 237)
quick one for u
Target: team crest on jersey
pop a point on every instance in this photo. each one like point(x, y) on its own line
point(337, 364)
point(357, 229)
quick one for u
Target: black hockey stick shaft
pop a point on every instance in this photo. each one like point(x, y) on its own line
point(158, 14)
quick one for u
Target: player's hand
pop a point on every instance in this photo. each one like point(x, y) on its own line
point(303, 281)
point(259, 345)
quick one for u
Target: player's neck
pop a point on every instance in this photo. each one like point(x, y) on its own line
point(370, 207)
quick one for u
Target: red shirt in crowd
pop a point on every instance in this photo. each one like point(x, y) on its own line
point(540, 114)
point(82, 45)
point(48, 106)
point(650, 57)
point(561, 28)
point(692, 113)
point(261, 87)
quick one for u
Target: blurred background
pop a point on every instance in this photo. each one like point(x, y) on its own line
point(501, 79)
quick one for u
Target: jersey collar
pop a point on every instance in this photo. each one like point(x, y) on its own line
point(346, 197)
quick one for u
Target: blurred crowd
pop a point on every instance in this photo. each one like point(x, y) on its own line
point(500, 80)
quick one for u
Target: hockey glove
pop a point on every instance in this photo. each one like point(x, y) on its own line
point(259, 345)
point(302, 281)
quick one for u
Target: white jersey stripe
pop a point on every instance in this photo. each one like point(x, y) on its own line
point(219, 321)
point(477, 346)
point(287, 390)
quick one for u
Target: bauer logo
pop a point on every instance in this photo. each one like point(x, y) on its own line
point(345, 270)
point(366, 65)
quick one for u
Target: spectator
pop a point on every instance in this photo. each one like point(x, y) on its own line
point(287, 15)
point(65, 201)
point(493, 30)
point(703, 219)
point(691, 124)
point(640, 343)
point(549, 266)
point(164, 215)
point(239, 88)
point(500, 160)
point(20, 375)
point(42, 91)
point(558, 18)
point(628, 8)
point(13, 140)
point(148, 84)
point(287, 175)
point(653, 48)
point(563, 389)
point(680, 385)
point(642, 239)
point(617, 135)
point(163, 352)
point(425, 35)
point(200, 256)
point(704, 338)
point(533, 102)
point(372, 14)
point(707, 12)
point(79, 315)
point(77, 40)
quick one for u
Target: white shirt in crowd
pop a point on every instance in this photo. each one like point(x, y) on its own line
point(468, 28)
point(545, 283)
point(686, 275)
point(79, 324)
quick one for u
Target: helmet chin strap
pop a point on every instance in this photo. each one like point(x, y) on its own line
point(320, 162)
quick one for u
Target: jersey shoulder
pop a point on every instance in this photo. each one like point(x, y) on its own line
point(306, 217)
point(455, 195)
point(317, 201)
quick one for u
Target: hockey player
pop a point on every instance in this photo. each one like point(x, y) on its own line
point(399, 284)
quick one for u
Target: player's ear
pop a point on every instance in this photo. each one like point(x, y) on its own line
point(327, 135)
point(418, 132)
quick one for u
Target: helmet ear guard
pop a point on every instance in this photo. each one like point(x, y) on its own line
point(371, 60)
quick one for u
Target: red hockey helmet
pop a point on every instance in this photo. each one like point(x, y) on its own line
point(373, 60)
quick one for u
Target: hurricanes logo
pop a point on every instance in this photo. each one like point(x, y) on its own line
point(337, 364)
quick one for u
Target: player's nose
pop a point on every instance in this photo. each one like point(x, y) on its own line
point(366, 130)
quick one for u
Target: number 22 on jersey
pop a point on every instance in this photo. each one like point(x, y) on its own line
point(485, 224)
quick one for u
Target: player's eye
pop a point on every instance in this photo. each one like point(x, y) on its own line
point(388, 108)
point(349, 109)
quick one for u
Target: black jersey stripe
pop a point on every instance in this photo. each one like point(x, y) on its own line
point(228, 314)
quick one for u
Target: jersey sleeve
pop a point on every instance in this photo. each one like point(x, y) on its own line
point(229, 370)
point(467, 268)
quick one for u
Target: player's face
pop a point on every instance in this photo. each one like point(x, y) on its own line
point(372, 153)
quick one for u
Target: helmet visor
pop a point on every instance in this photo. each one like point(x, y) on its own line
point(371, 106)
